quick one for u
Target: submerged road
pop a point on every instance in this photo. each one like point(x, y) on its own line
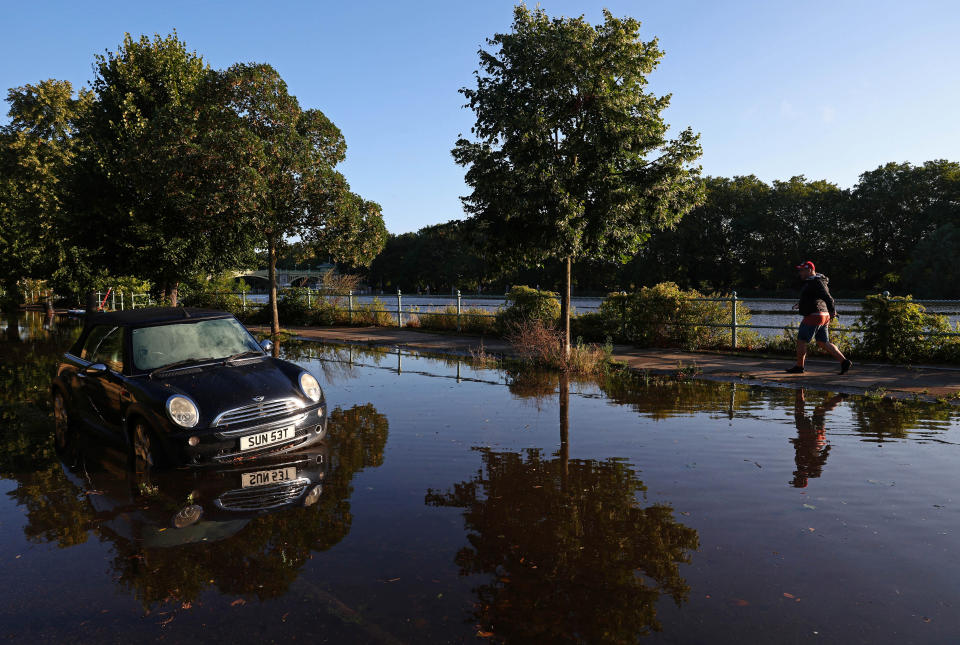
point(899, 381)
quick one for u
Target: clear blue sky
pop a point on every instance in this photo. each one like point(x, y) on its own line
point(823, 89)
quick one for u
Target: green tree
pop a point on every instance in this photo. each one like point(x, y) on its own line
point(289, 156)
point(156, 189)
point(36, 152)
point(898, 205)
point(932, 270)
point(571, 159)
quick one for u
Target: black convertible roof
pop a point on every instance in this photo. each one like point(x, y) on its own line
point(153, 316)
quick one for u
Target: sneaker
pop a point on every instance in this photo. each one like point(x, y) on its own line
point(845, 365)
point(796, 369)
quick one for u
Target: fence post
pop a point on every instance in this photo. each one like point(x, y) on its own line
point(350, 305)
point(458, 319)
point(113, 299)
point(733, 320)
point(885, 326)
point(121, 301)
point(309, 304)
point(243, 300)
point(99, 300)
point(623, 315)
point(399, 309)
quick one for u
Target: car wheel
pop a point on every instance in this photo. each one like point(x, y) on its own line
point(61, 422)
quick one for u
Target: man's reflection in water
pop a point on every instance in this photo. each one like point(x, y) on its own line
point(811, 443)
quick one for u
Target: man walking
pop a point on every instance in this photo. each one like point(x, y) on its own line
point(817, 308)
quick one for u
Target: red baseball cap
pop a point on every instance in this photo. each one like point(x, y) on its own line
point(807, 265)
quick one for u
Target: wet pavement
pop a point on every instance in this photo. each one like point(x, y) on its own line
point(927, 382)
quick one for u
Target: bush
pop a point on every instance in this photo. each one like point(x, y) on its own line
point(893, 327)
point(375, 313)
point(526, 305)
point(542, 346)
point(216, 293)
point(473, 320)
point(591, 326)
point(666, 316)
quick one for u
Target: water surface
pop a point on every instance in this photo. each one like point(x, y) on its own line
point(463, 504)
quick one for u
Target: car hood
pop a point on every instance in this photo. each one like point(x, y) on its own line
point(217, 388)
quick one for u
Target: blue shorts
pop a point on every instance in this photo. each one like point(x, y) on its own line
point(808, 332)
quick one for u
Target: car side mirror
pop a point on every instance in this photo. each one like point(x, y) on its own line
point(95, 369)
point(267, 345)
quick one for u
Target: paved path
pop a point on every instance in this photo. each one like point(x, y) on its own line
point(900, 381)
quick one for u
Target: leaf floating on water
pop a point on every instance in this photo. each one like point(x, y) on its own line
point(238, 601)
point(186, 605)
point(810, 506)
point(164, 623)
point(484, 634)
point(788, 595)
point(740, 602)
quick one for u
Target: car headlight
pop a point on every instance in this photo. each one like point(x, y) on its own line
point(183, 411)
point(310, 386)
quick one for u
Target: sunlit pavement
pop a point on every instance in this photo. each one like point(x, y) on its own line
point(928, 382)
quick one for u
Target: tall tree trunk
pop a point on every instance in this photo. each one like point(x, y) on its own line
point(565, 309)
point(13, 326)
point(564, 429)
point(272, 278)
point(11, 299)
point(174, 293)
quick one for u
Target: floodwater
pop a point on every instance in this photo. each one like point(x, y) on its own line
point(462, 504)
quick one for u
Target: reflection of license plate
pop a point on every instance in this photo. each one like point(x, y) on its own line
point(263, 477)
point(261, 439)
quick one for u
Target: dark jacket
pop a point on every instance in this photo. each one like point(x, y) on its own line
point(815, 296)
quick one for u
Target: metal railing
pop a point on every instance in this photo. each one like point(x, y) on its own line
point(118, 300)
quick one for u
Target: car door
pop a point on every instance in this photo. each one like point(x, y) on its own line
point(80, 379)
point(103, 388)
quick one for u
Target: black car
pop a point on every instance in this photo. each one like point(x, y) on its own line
point(182, 387)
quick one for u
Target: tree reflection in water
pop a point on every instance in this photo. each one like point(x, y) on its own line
point(571, 555)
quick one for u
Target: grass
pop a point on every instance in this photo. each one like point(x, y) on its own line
point(543, 346)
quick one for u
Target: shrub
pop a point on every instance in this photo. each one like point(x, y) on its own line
point(542, 346)
point(525, 305)
point(893, 327)
point(591, 326)
point(666, 316)
point(473, 320)
point(375, 314)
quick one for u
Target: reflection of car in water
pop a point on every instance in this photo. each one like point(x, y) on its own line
point(186, 386)
point(183, 506)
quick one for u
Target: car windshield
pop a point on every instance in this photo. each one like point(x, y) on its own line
point(162, 345)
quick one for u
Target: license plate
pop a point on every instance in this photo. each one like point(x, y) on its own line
point(262, 439)
point(264, 477)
